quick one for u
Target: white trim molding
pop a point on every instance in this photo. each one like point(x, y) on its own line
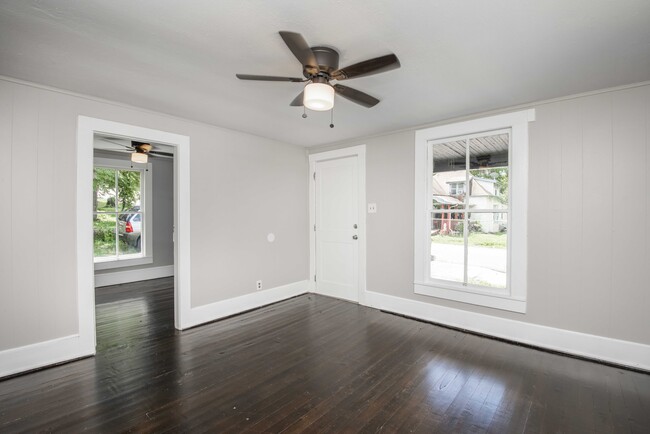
point(41, 354)
point(600, 348)
point(358, 151)
point(224, 308)
point(513, 297)
point(128, 276)
point(87, 127)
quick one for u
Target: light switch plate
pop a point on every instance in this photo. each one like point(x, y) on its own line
point(372, 208)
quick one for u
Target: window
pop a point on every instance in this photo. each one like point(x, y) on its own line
point(470, 237)
point(121, 217)
point(456, 188)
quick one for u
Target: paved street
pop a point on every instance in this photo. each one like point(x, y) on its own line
point(486, 265)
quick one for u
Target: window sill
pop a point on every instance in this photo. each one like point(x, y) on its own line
point(495, 301)
point(120, 263)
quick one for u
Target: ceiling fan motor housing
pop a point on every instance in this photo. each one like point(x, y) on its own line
point(328, 62)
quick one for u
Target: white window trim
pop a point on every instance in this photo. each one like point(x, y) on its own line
point(147, 205)
point(514, 299)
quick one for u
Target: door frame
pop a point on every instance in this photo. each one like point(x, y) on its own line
point(87, 127)
point(358, 151)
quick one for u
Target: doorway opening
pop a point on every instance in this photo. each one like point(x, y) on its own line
point(115, 229)
point(133, 225)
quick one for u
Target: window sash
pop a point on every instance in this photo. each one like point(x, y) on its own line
point(119, 166)
point(466, 211)
point(519, 124)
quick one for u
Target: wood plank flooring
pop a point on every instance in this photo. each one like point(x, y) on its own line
point(313, 364)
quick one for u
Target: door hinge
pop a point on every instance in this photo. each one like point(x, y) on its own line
point(314, 176)
point(314, 277)
point(314, 228)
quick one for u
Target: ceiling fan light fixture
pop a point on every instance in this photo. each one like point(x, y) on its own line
point(319, 97)
point(139, 157)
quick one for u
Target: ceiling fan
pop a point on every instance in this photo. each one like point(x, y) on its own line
point(480, 162)
point(320, 65)
point(140, 151)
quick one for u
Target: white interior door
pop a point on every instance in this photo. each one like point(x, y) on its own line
point(336, 232)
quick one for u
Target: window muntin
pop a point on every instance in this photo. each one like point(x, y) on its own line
point(468, 238)
point(121, 229)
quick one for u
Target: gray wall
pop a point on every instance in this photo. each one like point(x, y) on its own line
point(242, 187)
point(162, 177)
point(589, 203)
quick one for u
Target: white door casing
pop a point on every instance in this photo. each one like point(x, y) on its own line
point(86, 129)
point(337, 214)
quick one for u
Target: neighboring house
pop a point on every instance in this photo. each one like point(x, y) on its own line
point(449, 190)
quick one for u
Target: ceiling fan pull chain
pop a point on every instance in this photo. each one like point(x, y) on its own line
point(304, 112)
point(332, 118)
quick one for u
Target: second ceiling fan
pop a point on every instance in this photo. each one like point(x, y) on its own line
point(320, 65)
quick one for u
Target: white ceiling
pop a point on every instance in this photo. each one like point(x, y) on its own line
point(458, 57)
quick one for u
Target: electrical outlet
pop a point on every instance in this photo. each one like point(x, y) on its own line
point(259, 285)
point(372, 208)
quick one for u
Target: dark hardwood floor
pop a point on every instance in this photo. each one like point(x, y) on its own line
point(313, 364)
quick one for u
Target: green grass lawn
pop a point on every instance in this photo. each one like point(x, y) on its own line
point(498, 241)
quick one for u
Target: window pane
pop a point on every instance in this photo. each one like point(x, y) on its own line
point(104, 189)
point(489, 171)
point(447, 249)
point(130, 233)
point(104, 235)
point(129, 190)
point(487, 256)
point(448, 182)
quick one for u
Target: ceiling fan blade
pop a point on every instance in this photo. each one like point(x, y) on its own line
point(297, 101)
point(367, 67)
point(269, 78)
point(120, 151)
point(356, 96)
point(162, 154)
point(299, 48)
point(116, 143)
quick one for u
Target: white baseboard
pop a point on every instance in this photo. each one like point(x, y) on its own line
point(41, 354)
point(119, 277)
point(581, 344)
point(210, 312)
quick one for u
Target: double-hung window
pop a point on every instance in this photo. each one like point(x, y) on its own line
point(121, 213)
point(470, 233)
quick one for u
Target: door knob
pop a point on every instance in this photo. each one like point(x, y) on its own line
point(354, 237)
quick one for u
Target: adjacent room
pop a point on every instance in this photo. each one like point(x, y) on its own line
point(265, 217)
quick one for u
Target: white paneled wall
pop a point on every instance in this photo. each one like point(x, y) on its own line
point(242, 187)
point(589, 205)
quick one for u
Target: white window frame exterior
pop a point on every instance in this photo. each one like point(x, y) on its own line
point(146, 256)
point(513, 298)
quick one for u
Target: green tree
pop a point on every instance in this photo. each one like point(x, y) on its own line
point(128, 187)
point(128, 182)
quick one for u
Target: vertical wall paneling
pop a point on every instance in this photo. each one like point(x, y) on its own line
point(7, 321)
point(596, 227)
point(538, 178)
point(24, 201)
point(570, 216)
point(63, 115)
point(46, 204)
point(647, 173)
point(589, 188)
point(549, 222)
point(630, 222)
